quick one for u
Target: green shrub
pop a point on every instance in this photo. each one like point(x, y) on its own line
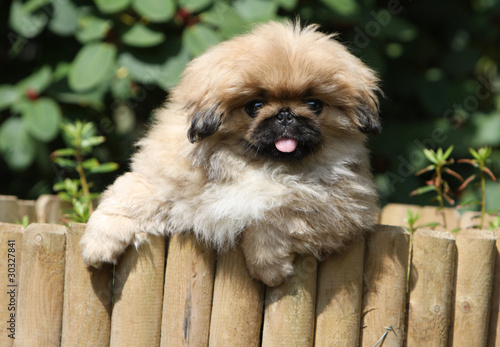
point(112, 62)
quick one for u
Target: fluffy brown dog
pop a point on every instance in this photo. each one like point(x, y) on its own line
point(274, 157)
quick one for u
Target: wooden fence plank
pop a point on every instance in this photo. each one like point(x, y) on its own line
point(11, 238)
point(138, 295)
point(87, 297)
point(237, 303)
point(8, 209)
point(431, 288)
point(26, 208)
point(41, 285)
point(470, 219)
point(187, 299)
point(395, 214)
point(49, 209)
point(338, 308)
point(474, 280)
point(290, 308)
point(385, 272)
point(494, 325)
point(431, 214)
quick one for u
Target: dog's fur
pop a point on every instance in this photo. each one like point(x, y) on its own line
point(226, 182)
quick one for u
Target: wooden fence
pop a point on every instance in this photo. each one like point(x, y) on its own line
point(176, 293)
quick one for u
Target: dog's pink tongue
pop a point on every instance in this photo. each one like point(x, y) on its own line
point(286, 145)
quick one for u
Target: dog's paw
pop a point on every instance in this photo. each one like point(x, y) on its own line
point(273, 274)
point(105, 238)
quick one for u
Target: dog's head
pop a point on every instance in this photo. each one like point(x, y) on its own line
point(280, 92)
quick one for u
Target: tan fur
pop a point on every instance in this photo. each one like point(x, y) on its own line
point(220, 187)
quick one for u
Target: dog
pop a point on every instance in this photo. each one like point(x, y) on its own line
point(261, 144)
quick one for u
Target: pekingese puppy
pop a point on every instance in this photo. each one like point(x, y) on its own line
point(261, 144)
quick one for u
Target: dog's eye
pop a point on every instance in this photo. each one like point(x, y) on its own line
point(253, 106)
point(315, 105)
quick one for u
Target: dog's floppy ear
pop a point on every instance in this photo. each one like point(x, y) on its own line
point(368, 120)
point(367, 113)
point(204, 122)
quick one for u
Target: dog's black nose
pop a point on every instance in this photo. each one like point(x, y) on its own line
point(285, 117)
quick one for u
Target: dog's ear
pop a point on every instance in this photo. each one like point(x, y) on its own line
point(368, 120)
point(367, 113)
point(204, 122)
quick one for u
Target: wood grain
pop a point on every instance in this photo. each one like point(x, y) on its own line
point(41, 288)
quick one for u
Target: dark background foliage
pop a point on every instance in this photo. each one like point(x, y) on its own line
point(113, 61)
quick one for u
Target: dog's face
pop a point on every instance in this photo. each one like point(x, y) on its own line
point(279, 92)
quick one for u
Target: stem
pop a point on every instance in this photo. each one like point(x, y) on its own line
point(83, 178)
point(483, 199)
point(440, 195)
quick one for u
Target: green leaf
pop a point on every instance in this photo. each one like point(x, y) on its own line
point(93, 64)
point(64, 196)
point(226, 18)
point(23, 22)
point(140, 35)
point(90, 163)
point(430, 155)
point(256, 10)
point(104, 168)
point(92, 28)
point(473, 152)
point(141, 71)
point(37, 81)
point(8, 96)
point(42, 118)
point(88, 130)
point(448, 153)
point(16, 145)
point(155, 10)
point(342, 7)
point(425, 189)
point(63, 152)
point(93, 141)
point(67, 163)
point(171, 70)
point(65, 19)
point(199, 37)
point(194, 5)
point(112, 6)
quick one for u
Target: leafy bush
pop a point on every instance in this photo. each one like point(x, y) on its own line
point(112, 62)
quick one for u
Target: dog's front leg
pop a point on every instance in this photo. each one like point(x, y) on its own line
point(267, 253)
point(127, 210)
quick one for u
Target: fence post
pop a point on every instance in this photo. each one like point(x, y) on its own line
point(8, 209)
point(290, 308)
point(395, 214)
point(338, 308)
point(237, 303)
point(11, 239)
point(187, 299)
point(385, 272)
point(431, 288)
point(41, 285)
point(494, 325)
point(474, 280)
point(138, 295)
point(87, 297)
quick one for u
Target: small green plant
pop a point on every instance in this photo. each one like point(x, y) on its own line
point(495, 224)
point(439, 164)
point(481, 159)
point(412, 219)
point(81, 138)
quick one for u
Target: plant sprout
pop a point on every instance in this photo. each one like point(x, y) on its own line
point(481, 159)
point(439, 162)
point(80, 138)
